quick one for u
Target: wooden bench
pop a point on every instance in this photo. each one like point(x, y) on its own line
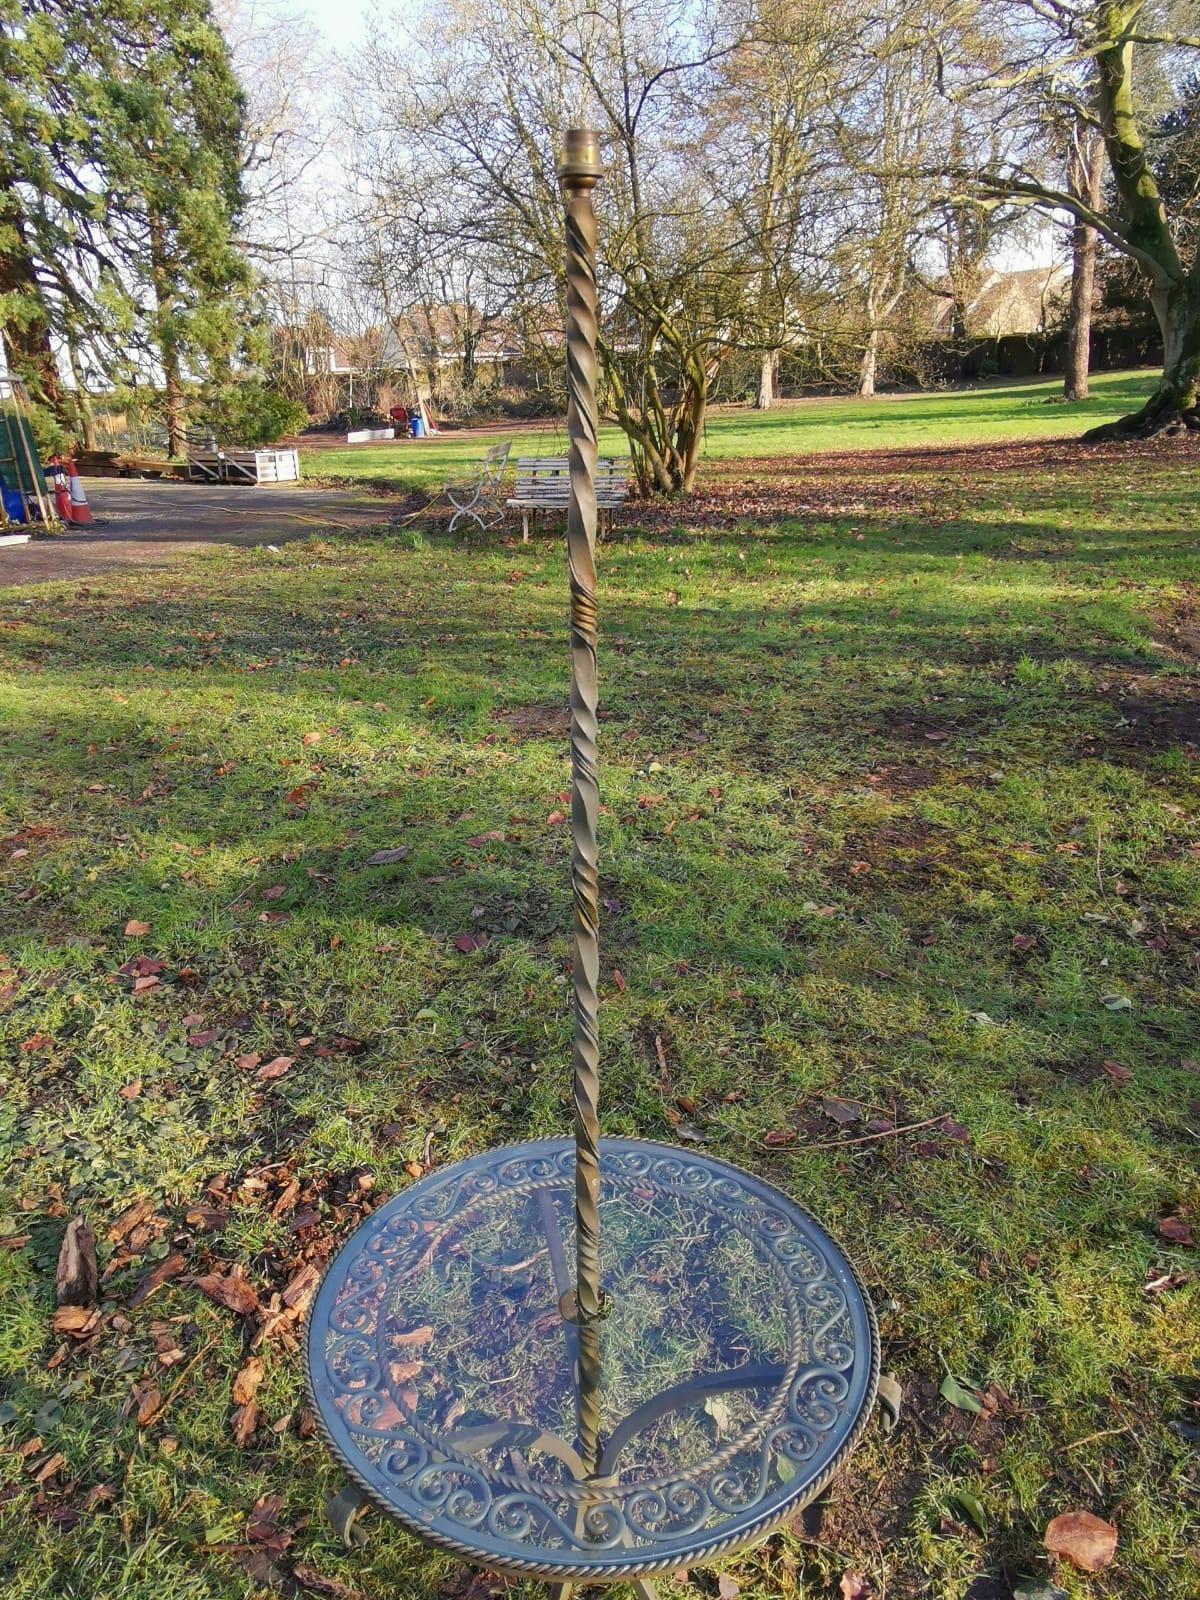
point(544, 484)
point(478, 494)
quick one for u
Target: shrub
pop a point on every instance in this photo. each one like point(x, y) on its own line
point(250, 413)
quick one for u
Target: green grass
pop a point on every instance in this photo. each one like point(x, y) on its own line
point(856, 757)
point(952, 417)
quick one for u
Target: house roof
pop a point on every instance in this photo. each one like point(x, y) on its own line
point(1021, 301)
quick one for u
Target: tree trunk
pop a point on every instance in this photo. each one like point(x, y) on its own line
point(1086, 171)
point(765, 397)
point(1174, 407)
point(868, 366)
point(168, 346)
point(1174, 290)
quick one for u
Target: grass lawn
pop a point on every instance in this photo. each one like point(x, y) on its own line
point(899, 765)
point(970, 416)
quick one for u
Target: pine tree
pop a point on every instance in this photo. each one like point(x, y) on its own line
point(120, 132)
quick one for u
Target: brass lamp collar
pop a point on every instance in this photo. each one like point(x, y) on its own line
point(581, 167)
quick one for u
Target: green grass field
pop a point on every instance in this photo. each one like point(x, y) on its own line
point(973, 416)
point(899, 767)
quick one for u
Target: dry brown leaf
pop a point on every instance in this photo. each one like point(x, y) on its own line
point(275, 1069)
point(135, 929)
point(1087, 1542)
point(1175, 1230)
point(148, 1399)
point(385, 858)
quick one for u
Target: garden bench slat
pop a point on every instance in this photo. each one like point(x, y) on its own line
point(543, 484)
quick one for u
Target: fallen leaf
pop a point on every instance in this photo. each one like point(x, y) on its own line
point(1175, 1230)
point(973, 1506)
point(1116, 1002)
point(840, 1111)
point(466, 942)
point(1024, 941)
point(275, 1069)
point(248, 1061)
point(311, 738)
point(275, 892)
point(206, 1036)
point(385, 858)
point(135, 929)
point(780, 1136)
point(619, 980)
point(480, 839)
point(965, 1399)
point(728, 1588)
point(1087, 1542)
point(263, 1527)
point(130, 1090)
point(235, 1294)
point(1115, 1072)
point(148, 1399)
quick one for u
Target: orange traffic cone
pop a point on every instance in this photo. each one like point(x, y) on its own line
point(81, 512)
point(62, 495)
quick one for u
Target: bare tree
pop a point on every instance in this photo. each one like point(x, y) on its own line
point(1085, 177)
point(1090, 57)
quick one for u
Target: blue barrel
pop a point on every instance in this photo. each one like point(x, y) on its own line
point(418, 426)
point(14, 503)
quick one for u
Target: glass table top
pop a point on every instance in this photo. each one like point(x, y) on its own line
point(738, 1359)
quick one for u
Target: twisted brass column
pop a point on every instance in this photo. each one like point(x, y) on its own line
point(579, 172)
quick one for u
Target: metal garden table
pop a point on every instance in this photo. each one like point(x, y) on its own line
point(587, 1362)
